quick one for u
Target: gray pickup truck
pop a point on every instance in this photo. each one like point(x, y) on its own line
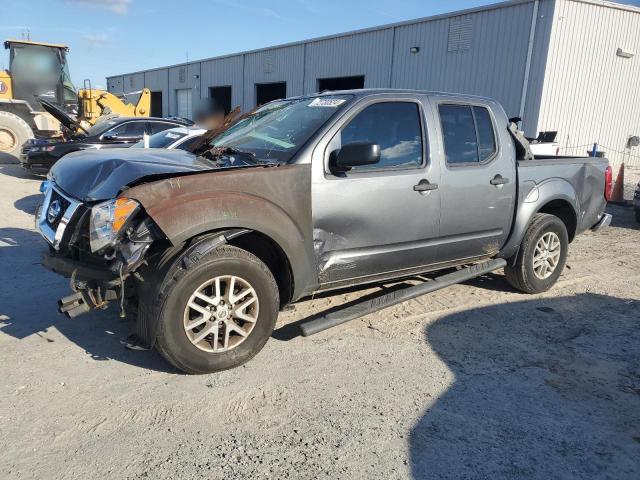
point(310, 194)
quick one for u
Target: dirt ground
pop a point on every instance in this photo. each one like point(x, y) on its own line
point(476, 381)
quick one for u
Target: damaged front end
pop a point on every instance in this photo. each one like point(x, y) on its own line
point(97, 246)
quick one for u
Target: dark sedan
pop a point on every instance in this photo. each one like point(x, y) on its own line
point(39, 155)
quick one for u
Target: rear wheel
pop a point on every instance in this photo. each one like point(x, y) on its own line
point(218, 313)
point(14, 131)
point(542, 255)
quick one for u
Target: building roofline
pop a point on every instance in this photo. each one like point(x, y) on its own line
point(457, 13)
point(607, 4)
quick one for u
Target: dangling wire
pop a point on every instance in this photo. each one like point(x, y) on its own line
point(122, 312)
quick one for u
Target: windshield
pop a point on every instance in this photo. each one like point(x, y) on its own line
point(163, 139)
point(276, 131)
point(70, 94)
point(101, 127)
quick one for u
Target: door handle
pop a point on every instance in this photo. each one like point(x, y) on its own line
point(424, 186)
point(498, 180)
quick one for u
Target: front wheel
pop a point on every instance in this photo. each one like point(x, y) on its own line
point(542, 255)
point(218, 313)
point(14, 132)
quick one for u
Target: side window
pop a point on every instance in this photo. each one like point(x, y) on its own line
point(395, 126)
point(486, 136)
point(157, 127)
point(188, 144)
point(129, 129)
point(459, 132)
point(467, 133)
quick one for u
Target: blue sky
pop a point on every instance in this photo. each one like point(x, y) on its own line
point(108, 37)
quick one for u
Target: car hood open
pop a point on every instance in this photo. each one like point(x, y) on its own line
point(91, 175)
point(60, 115)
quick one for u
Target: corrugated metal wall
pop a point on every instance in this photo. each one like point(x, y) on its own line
point(227, 71)
point(132, 84)
point(492, 64)
point(158, 81)
point(285, 64)
point(591, 94)
point(496, 35)
point(181, 77)
point(115, 84)
point(367, 54)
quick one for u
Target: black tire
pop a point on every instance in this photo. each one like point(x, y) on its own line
point(637, 210)
point(521, 275)
point(14, 131)
point(183, 278)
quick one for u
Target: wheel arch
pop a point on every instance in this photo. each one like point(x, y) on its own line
point(562, 209)
point(555, 197)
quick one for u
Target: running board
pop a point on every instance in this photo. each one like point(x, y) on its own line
point(358, 310)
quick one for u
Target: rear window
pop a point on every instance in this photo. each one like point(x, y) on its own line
point(468, 134)
point(486, 135)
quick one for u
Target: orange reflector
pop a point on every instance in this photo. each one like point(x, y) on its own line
point(124, 207)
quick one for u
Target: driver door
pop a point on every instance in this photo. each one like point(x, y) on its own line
point(376, 220)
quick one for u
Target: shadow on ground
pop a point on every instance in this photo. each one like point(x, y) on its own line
point(545, 388)
point(15, 170)
point(29, 203)
point(623, 216)
point(28, 305)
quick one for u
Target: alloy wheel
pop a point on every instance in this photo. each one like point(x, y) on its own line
point(221, 313)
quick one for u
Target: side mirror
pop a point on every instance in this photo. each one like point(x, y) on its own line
point(355, 154)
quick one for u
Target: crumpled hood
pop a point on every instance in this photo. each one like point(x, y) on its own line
point(92, 175)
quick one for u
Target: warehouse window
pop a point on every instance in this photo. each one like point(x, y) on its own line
point(341, 83)
point(468, 134)
point(266, 92)
point(460, 32)
point(222, 96)
point(395, 126)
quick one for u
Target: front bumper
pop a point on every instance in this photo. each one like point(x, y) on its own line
point(37, 162)
point(605, 221)
point(80, 271)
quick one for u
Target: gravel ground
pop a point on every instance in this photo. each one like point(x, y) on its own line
point(477, 381)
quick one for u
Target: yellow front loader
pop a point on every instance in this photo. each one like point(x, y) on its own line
point(39, 71)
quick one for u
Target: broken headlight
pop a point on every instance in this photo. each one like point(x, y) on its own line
point(108, 220)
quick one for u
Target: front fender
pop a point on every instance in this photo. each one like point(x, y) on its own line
point(536, 196)
point(274, 201)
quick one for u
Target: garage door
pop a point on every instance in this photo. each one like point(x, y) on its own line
point(183, 99)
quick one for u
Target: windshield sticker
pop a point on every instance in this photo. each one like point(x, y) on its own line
point(327, 102)
point(173, 135)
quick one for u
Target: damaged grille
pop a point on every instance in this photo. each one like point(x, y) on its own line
point(56, 209)
point(55, 215)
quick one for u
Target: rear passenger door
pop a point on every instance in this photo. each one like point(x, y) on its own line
point(375, 219)
point(478, 182)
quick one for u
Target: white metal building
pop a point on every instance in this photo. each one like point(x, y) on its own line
point(571, 66)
